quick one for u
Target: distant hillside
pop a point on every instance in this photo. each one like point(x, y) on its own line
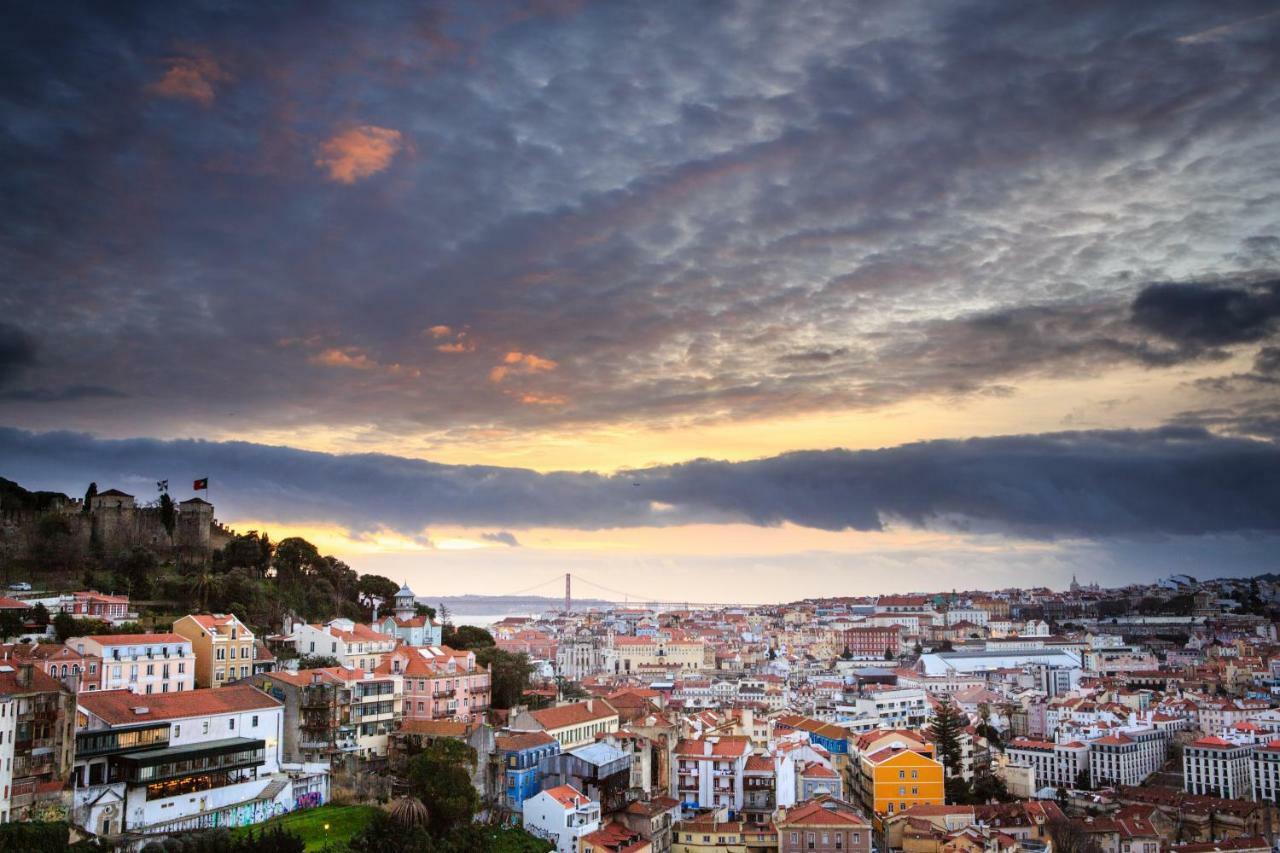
point(13, 496)
point(511, 604)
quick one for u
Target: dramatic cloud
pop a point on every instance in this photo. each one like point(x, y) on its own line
point(358, 153)
point(17, 352)
point(1209, 316)
point(502, 537)
point(1083, 484)
point(697, 212)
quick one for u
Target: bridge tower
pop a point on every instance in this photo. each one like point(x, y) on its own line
point(568, 598)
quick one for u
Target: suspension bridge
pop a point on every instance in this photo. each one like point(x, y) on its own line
point(605, 593)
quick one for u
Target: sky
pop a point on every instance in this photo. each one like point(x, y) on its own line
point(724, 301)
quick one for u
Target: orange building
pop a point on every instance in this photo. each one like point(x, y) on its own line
point(900, 776)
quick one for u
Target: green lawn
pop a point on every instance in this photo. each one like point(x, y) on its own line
point(308, 824)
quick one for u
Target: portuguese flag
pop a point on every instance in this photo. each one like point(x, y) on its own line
point(201, 484)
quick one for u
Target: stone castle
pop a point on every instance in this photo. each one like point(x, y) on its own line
point(114, 522)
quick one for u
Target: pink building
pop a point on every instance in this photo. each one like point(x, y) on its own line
point(440, 683)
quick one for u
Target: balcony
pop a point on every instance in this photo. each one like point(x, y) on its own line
point(181, 761)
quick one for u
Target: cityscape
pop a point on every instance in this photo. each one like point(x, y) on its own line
point(640, 426)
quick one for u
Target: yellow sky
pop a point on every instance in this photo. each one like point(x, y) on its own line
point(1127, 398)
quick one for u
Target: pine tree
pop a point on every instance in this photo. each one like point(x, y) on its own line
point(948, 724)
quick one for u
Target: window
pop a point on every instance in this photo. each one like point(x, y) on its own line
point(902, 774)
point(177, 732)
point(204, 727)
point(808, 840)
point(254, 722)
point(232, 721)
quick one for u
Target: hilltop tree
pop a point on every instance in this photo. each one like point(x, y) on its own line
point(376, 588)
point(295, 558)
point(168, 514)
point(89, 494)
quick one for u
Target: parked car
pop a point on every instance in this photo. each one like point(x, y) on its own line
point(20, 586)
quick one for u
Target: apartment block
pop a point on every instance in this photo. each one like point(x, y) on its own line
point(141, 663)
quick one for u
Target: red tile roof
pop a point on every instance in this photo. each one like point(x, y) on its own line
point(121, 707)
point(136, 639)
point(822, 811)
point(574, 714)
point(568, 796)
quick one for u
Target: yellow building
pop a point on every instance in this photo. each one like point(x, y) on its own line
point(222, 644)
point(710, 833)
point(896, 778)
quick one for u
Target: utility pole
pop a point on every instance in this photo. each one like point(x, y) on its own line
point(568, 600)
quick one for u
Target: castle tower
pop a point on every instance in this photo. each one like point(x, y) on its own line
point(406, 604)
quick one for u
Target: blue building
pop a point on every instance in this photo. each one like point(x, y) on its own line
point(519, 756)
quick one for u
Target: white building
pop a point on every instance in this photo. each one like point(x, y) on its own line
point(178, 761)
point(1055, 765)
point(1264, 772)
point(709, 772)
point(562, 814)
point(8, 725)
point(354, 646)
point(141, 663)
point(1127, 757)
point(1218, 767)
point(900, 708)
point(968, 614)
point(948, 663)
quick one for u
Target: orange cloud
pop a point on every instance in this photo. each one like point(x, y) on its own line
point(520, 362)
point(543, 399)
point(460, 343)
point(346, 357)
point(354, 358)
point(191, 77)
point(359, 152)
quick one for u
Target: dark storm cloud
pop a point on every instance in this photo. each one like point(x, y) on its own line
point(17, 352)
point(1177, 480)
point(249, 216)
point(502, 537)
point(1209, 316)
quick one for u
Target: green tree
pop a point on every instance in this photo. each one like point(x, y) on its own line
point(510, 674)
point(64, 626)
point(11, 624)
point(200, 584)
point(317, 662)
point(466, 637)
point(168, 514)
point(376, 589)
point(40, 615)
point(294, 559)
point(384, 834)
point(947, 729)
point(440, 776)
point(89, 494)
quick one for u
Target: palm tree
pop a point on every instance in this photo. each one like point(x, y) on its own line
point(409, 811)
point(200, 584)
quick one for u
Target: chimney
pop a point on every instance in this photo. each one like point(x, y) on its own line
point(25, 669)
point(591, 705)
